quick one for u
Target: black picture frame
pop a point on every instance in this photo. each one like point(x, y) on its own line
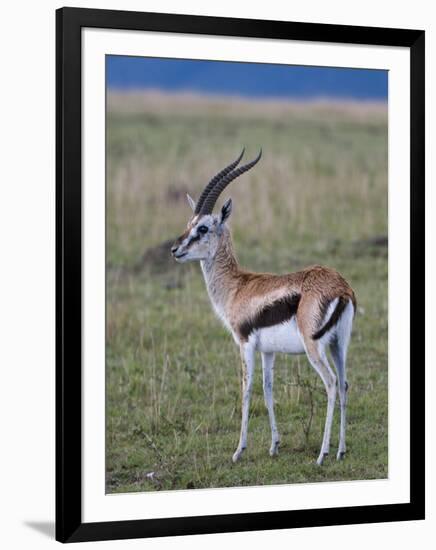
point(69, 525)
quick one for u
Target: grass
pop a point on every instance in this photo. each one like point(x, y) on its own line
point(319, 195)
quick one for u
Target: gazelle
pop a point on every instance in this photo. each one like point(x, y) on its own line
point(307, 311)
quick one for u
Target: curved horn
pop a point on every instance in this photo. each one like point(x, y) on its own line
point(211, 199)
point(214, 180)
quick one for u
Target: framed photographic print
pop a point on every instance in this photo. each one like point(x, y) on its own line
point(240, 274)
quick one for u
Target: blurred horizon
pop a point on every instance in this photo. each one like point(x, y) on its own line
point(248, 80)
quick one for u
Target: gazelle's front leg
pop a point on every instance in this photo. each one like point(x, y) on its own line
point(247, 358)
point(268, 381)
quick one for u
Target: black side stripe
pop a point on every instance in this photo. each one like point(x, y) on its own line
point(334, 318)
point(278, 312)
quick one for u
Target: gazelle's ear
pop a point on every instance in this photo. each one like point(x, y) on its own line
point(226, 210)
point(191, 201)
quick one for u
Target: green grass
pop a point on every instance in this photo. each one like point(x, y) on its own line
point(319, 195)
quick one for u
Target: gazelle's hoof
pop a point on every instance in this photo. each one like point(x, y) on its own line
point(321, 458)
point(340, 455)
point(237, 455)
point(274, 449)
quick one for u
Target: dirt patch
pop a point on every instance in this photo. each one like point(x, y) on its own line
point(156, 259)
point(374, 246)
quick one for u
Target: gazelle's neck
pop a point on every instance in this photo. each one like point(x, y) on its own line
point(221, 274)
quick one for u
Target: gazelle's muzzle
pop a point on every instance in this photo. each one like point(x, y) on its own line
point(177, 250)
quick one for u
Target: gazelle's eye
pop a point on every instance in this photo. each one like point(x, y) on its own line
point(203, 229)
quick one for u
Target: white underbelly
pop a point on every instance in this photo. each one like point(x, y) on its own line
point(282, 338)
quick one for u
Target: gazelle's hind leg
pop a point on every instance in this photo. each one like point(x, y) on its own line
point(318, 359)
point(268, 380)
point(338, 355)
point(338, 348)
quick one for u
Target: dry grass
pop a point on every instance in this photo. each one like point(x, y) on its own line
point(161, 103)
point(315, 172)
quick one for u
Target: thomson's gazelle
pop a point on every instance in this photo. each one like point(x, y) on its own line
point(303, 312)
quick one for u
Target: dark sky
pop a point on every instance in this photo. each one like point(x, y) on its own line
point(245, 79)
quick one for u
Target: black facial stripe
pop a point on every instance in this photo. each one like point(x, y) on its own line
point(193, 240)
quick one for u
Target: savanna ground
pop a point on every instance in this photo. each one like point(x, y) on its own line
point(319, 195)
